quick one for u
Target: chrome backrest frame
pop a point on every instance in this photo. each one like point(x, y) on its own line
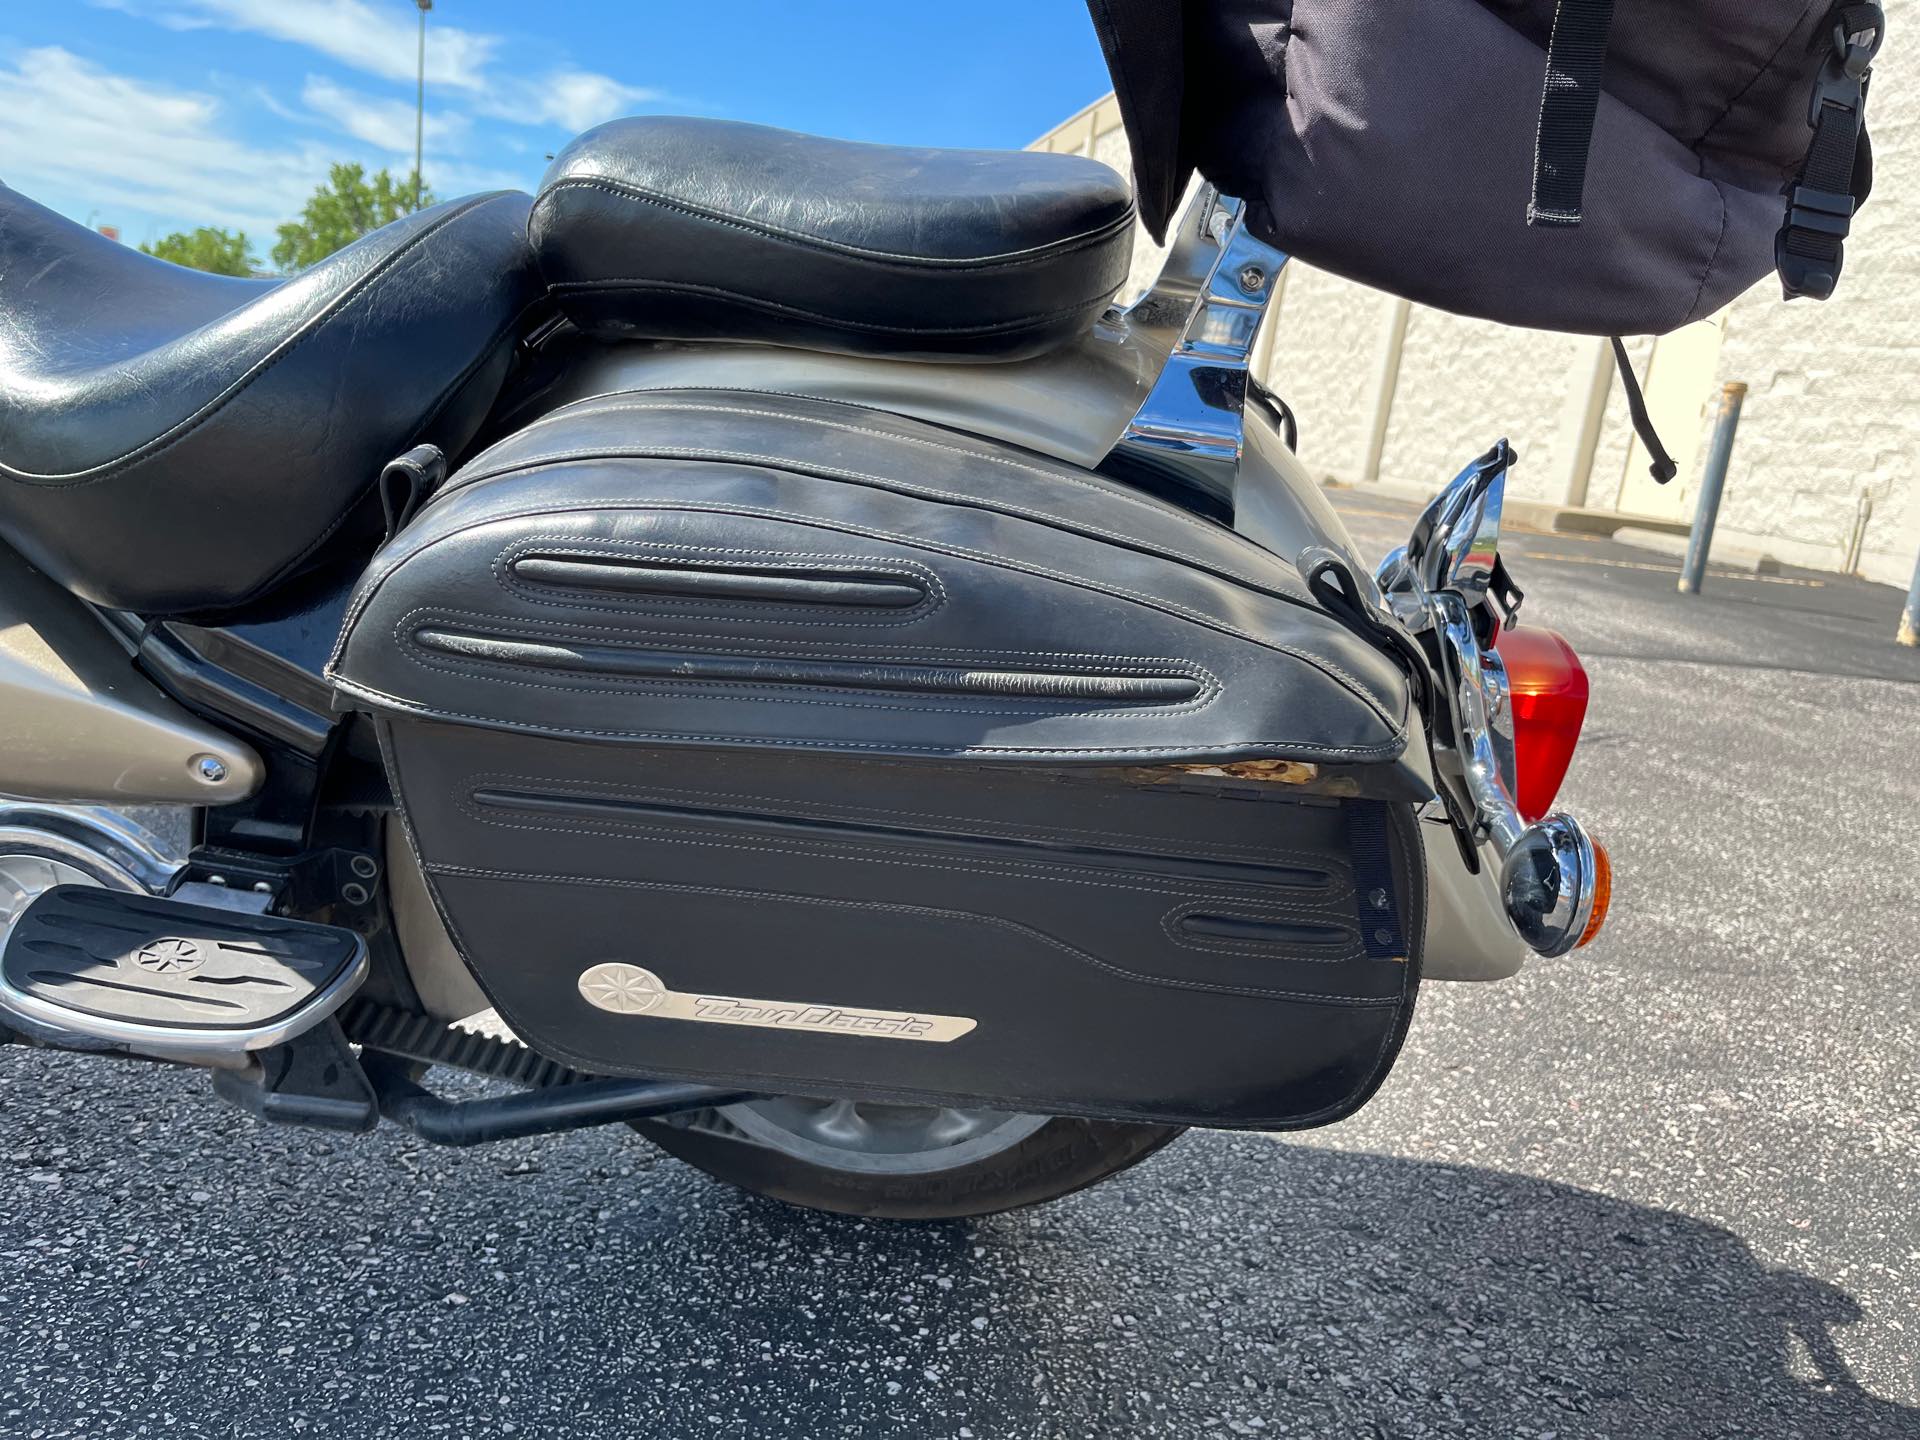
point(1194, 330)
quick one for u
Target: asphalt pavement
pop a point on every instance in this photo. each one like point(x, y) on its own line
point(1663, 1188)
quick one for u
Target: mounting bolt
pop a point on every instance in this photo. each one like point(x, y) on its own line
point(1252, 279)
point(208, 769)
point(262, 887)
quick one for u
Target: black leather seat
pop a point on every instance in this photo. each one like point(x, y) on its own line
point(663, 227)
point(172, 441)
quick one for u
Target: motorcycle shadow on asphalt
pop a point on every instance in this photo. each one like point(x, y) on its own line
point(1241, 1278)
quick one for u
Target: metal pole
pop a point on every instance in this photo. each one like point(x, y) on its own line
point(1909, 634)
point(1386, 381)
point(420, 101)
point(1706, 508)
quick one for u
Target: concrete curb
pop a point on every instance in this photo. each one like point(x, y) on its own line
point(1721, 557)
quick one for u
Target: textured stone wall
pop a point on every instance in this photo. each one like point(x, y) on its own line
point(1833, 413)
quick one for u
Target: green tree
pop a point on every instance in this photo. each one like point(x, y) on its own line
point(218, 252)
point(348, 206)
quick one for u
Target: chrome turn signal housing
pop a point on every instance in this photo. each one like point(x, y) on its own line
point(1555, 883)
point(1554, 880)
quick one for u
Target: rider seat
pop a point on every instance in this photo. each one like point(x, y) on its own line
point(172, 441)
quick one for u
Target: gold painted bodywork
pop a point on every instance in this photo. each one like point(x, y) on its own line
point(78, 722)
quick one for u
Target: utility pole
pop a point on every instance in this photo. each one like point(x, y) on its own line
point(420, 101)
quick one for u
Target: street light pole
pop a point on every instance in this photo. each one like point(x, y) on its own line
point(420, 101)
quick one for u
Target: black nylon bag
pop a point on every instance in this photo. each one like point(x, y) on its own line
point(1393, 142)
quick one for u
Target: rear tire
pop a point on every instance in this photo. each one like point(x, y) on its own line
point(1052, 1158)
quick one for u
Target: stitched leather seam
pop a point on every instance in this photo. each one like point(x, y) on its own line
point(1360, 690)
point(1158, 550)
point(819, 613)
point(815, 470)
point(1026, 932)
point(1012, 326)
point(178, 432)
point(670, 688)
point(1088, 662)
point(1264, 910)
point(1005, 260)
point(829, 648)
point(781, 695)
point(1050, 474)
point(1280, 749)
point(870, 852)
point(1328, 667)
point(1332, 910)
point(984, 828)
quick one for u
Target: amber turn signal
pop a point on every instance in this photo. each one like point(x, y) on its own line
point(1602, 894)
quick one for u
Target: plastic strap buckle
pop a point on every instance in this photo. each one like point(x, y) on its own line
point(1826, 211)
point(1858, 31)
point(1808, 250)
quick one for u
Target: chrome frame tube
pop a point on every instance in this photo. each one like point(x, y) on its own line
point(89, 838)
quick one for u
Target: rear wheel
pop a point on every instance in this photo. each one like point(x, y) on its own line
point(901, 1162)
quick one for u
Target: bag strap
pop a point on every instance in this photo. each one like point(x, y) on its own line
point(407, 482)
point(1662, 467)
point(1810, 248)
point(1576, 63)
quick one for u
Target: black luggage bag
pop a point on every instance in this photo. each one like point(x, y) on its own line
point(800, 748)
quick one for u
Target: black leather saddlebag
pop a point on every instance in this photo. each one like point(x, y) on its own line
point(801, 748)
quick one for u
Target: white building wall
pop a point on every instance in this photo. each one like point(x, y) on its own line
point(1832, 415)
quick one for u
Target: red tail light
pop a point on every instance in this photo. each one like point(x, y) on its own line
point(1548, 689)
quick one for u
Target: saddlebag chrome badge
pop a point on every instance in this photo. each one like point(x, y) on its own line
point(630, 990)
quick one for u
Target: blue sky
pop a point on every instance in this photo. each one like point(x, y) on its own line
point(157, 115)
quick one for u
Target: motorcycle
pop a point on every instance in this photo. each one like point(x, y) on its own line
point(749, 643)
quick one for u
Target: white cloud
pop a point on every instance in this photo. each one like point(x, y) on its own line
point(387, 124)
point(71, 129)
point(450, 178)
point(381, 39)
point(575, 100)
